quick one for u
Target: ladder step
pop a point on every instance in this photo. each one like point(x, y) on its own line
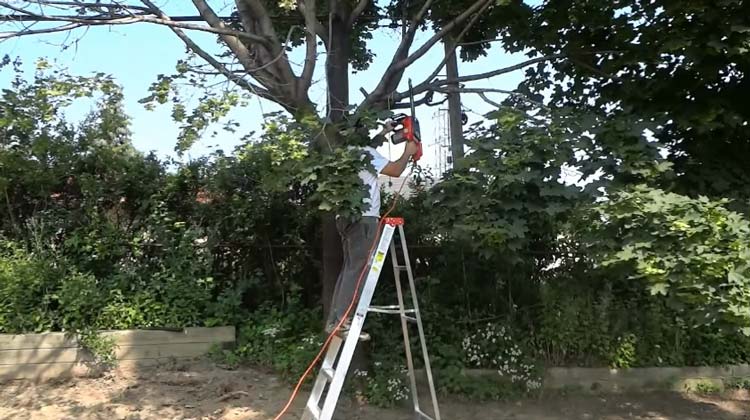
point(393, 310)
point(422, 415)
point(410, 318)
point(314, 410)
point(328, 372)
point(402, 267)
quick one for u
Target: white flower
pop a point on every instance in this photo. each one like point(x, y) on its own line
point(271, 332)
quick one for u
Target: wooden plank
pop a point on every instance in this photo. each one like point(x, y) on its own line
point(123, 338)
point(51, 371)
point(52, 340)
point(158, 351)
point(37, 356)
point(189, 335)
point(42, 371)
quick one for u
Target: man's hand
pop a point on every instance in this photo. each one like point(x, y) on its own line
point(387, 127)
point(411, 148)
point(395, 169)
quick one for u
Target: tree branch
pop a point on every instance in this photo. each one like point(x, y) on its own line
point(428, 85)
point(488, 100)
point(307, 7)
point(460, 36)
point(425, 100)
point(238, 80)
point(213, 20)
point(386, 84)
point(483, 91)
point(27, 31)
point(475, 8)
point(357, 11)
point(92, 5)
point(256, 12)
point(118, 19)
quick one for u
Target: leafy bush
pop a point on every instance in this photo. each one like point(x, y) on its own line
point(283, 340)
point(27, 284)
point(693, 251)
point(493, 347)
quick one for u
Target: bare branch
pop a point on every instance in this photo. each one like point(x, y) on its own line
point(475, 8)
point(121, 19)
point(460, 36)
point(432, 85)
point(509, 69)
point(98, 5)
point(425, 100)
point(28, 31)
point(308, 7)
point(357, 11)
point(484, 41)
point(488, 100)
point(393, 73)
point(237, 79)
point(483, 91)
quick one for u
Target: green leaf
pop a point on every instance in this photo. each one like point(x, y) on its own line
point(659, 289)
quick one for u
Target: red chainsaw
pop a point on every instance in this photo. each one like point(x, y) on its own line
point(406, 128)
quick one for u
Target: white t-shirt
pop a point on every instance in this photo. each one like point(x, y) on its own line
point(371, 181)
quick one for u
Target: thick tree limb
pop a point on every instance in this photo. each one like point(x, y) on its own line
point(113, 19)
point(357, 11)
point(386, 84)
point(256, 12)
point(238, 48)
point(260, 14)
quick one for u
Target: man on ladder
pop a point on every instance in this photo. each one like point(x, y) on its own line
point(357, 234)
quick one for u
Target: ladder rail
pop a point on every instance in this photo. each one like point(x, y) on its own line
point(418, 316)
point(405, 329)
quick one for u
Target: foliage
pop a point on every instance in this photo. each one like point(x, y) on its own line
point(493, 347)
point(284, 340)
point(509, 187)
point(687, 86)
point(542, 232)
point(101, 348)
point(694, 251)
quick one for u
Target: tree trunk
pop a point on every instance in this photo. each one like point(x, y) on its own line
point(454, 103)
point(337, 74)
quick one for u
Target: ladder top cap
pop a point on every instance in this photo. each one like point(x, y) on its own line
point(394, 221)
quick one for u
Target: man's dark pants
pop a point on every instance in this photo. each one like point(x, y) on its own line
point(357, 237)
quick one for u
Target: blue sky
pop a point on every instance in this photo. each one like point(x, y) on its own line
point(136, 54)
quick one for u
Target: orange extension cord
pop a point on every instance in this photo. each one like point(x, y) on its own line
point(348, 310)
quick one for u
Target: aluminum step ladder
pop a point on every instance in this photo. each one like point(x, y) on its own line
point(335, 366)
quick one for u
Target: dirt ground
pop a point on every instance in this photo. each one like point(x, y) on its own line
point(204, 392)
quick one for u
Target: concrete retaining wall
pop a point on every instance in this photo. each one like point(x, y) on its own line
point(603, 380)
point(55, 355)
point(663, 378)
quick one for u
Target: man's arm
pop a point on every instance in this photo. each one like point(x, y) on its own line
point(395, 169)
